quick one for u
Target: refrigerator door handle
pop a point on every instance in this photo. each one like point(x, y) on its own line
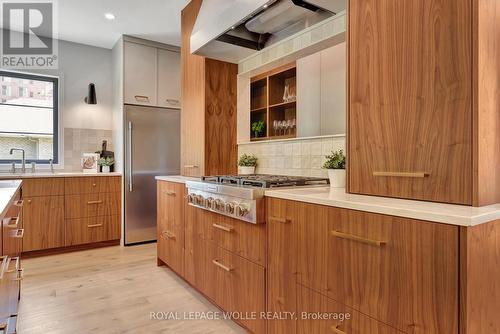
point(130, 180)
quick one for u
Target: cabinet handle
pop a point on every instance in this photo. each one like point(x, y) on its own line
point(220, 265)
point(141, 98)
point(94, 225)
point(335, 329)
point(172, 101)
point(19, 203)
point(170, 193)
point(16, 267)
point(280, 220)
point(402, 174)
point(223, 228)
point(191, 166)
point(4, 266)
point(13, 222)
point(19, 233)
point(356, 238)
point(169, 235)
point(94, 202)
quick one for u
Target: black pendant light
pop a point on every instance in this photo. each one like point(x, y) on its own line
point(91, 97)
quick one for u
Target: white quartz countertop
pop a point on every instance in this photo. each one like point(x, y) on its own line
point(42, 174)
point(7, 191)
point(177, 178)
point(436, 212)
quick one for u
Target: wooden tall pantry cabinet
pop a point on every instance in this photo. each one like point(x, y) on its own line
point(208, 120)
point(424, 100)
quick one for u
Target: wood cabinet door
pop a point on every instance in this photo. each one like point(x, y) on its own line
point(410, 99)
point(335, 317)
point(43, 219)
point(193, 99)
point(281, 264)
point(169, 79)
point(171, 224)
point(140, 74)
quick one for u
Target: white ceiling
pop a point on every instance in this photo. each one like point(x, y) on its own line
point(83, 21)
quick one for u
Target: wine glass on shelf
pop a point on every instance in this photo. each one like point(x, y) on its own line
point(275, 126)
point(294, 124)
point(289, 126)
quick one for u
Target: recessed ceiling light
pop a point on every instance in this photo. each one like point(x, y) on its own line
point(109, 16)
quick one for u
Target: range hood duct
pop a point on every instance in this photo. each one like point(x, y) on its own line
point(233, 30)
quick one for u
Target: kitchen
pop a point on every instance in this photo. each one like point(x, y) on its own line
point(302, 166)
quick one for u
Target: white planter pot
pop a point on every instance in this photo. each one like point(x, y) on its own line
point(106, 169)
point(246, 170)
point(337, 178)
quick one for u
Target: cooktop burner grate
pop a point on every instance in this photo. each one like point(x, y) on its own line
point(265, 181)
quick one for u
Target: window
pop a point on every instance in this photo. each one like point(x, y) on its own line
point(28, 117)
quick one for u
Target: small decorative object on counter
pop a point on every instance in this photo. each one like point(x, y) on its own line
point(106, 164)
point(335, 164)
point(89, 162)
point(258, 128)
point(247, 164)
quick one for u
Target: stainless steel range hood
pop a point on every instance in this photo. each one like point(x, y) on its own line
point(234, 30)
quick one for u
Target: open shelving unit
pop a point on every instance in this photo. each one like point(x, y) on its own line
point(267, 103)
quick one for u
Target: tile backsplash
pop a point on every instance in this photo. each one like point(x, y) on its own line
point(298, 157)
point(78, 141)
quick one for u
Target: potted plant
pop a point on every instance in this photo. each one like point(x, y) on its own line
point(335, 163)
point(258, 128)
point(247, 164)
point(106, 164)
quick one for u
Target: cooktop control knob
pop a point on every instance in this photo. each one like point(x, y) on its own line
point(210, 202)
point(190, 198)
point(229, 207)
point(219, 205)
point(242, 210)
point(200, 200)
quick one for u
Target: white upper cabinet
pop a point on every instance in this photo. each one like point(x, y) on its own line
point(141, 75)
point(152, 76)
point(169, 79)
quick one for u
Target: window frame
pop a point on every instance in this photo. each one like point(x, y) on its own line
point(55, 115)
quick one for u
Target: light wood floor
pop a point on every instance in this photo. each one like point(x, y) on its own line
point(109, 290)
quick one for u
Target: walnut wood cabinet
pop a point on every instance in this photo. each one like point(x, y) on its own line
point(423, 100)
point(208, 118)
point(391, 274)
point(60, 212)
point(171, 225)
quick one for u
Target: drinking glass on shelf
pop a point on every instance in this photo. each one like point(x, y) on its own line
point(286, 126)
point(289, 126)
point(275, 127)
point(294, 123)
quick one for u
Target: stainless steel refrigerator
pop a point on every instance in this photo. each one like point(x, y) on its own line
point(152, 148)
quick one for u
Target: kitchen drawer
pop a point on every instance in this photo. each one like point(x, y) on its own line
point(50, 186)
point(92, 205)
point(9, 291)
point(338, 319)
point(90, 230)
point(245, 239)
point(92, 185)
point(372, 263)
point(236, 285)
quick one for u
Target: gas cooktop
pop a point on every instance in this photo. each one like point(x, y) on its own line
point(265, 181)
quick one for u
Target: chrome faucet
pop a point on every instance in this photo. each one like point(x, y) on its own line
point(23, 161)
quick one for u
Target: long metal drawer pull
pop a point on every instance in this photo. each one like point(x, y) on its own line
point(336, 330)
point(16, 267)
point(223, 228)
point(280, 220)
point(141, 97)
point(94, 225)
point(94, 202)
point(19, 233)
point(190, 166)
point(169, 235)
point(359, 239)
point(11, 224)
point(19, 203)
point(172, 101)
point(402, 174)
point(170, 193)
point(220, 265)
